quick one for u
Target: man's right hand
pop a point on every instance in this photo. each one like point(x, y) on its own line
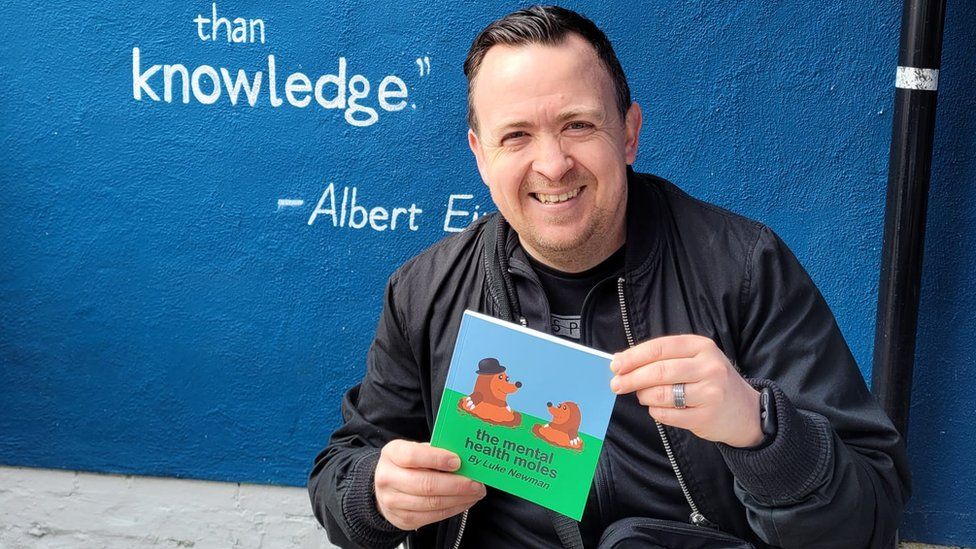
point(415, 485)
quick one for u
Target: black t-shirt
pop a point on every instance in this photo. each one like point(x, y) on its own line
point(567, 292)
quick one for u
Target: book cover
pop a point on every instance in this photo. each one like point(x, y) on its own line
point(526, 412)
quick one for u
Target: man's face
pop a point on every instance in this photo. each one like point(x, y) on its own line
point(552, 148)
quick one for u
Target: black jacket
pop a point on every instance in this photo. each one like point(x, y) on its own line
point(835, 475)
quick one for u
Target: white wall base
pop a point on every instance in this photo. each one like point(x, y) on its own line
point(913, 545)
point(53, 509)
point(67, 509)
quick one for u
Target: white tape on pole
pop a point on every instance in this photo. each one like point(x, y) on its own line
point(911, 78)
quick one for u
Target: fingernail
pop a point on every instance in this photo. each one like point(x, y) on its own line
point(613, 364)
point(477, 487)
point(454, 463)
point(615, 384)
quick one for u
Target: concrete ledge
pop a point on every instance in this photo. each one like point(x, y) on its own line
point(913, 545)
point(67, 509)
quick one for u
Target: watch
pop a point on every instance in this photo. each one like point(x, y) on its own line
point(767, 415)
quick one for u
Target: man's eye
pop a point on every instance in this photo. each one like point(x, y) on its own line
point(513, 136)
point(578, 125)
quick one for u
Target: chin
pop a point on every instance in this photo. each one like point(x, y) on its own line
point(558, 241)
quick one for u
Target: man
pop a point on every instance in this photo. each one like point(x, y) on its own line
point(689, 295)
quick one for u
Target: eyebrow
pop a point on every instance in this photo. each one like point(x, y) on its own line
point(578, 112)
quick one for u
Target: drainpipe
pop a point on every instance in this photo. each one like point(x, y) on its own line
point(909, 165)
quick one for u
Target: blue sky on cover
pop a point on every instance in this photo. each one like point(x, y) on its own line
point(548, 371)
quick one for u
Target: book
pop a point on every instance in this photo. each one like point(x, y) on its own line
point(525, 411)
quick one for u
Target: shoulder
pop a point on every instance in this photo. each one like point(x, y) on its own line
point(693, 213)
point(444, 256)
point(705, 227)
point(453, 262)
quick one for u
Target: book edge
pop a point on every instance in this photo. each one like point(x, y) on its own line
point(459, 343)
point(537, 334)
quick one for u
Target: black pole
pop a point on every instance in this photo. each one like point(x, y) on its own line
point(913, 130)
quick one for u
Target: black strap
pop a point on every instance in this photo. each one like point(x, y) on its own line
point(493, 275)
point(567, 529)
point(502, 291)
point(500, 285)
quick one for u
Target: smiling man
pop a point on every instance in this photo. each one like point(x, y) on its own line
point(739, 406)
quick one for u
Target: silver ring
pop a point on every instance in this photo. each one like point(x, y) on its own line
point(678, 392)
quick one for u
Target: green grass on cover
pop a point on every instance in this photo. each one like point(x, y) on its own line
point(565, 494)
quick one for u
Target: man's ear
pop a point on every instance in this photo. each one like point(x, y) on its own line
point(479, 153)
point(632, 127)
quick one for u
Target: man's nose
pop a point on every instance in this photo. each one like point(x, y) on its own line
point(551, 160)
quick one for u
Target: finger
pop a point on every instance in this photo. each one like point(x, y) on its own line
point(661, 396)
point(685, 418)
point(697, 395)
point(407, 503)
point(415, 520)
point(659, 373)
point(433, 483)
point(659, 348)
point(416, 455)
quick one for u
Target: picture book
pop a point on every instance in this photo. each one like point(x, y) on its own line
point(526, 412)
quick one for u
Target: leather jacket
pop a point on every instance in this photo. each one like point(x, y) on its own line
point(834, 475)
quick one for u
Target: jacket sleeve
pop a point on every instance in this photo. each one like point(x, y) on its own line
point(386, 405)
point(835, 474)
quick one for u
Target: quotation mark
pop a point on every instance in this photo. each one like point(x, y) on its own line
point(423, 63)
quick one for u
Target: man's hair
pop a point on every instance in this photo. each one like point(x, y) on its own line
point(549, 26)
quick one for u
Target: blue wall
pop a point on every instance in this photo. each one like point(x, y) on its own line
point(163, 313)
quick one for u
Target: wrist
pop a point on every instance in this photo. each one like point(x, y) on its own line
point(752, 432)
point(767, 421)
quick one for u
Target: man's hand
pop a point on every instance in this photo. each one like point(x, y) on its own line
point(721, 406)
point(415, 486)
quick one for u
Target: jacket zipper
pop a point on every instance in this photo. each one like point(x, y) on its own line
point(464, 521)
point(697, 518)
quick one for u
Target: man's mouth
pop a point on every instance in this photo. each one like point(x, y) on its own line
point(557, 198)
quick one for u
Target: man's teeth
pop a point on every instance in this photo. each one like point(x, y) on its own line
point(557, 198)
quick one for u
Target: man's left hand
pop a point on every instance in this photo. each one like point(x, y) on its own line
point(720, 405)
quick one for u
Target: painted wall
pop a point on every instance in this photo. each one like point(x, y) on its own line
point(180, 297)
